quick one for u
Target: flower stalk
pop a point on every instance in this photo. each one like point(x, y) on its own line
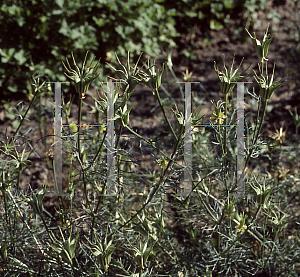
point(81, 79)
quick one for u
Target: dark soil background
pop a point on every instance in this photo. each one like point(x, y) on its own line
point(147, 118)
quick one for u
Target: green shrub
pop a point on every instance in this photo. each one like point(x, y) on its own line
point(36, 35)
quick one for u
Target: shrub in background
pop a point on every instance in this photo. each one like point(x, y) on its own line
point(37, 35)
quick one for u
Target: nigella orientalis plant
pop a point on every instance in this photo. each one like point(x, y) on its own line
point(266, 84)
point(228, 80)
point(81, 79)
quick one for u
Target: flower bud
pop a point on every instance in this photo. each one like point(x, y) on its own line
point(262, 48)
point(267, 88)
point(36, 202)
point(229, 79)
point(84, 77)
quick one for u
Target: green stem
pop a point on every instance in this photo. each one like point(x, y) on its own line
point(44, 222)
point(257, 133)
point(167, 77)
point(19, 179)
point(93, 221)
point(99, 150)
point(175, 77)
point(258, 118)
point(79, 152)
point(261, 121)
point(225, 143)
point(23, 118)
point(206, 194)
point(118, 138)
point(163, 110)
point(79, 123)
point(224, 150)
point(207, 209)
point(263, 244)
point(5, 203)
point(218, 250)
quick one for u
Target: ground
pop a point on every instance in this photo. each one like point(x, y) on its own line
point(146, 116)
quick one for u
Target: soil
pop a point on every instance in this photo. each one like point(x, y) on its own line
point(146, 117)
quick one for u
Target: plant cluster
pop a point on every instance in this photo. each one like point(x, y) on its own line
point(147, 228)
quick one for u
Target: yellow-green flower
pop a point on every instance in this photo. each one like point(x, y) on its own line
point(73, 127)
point(241, 229)
point(279, 135)
point(278, 219)
point(163, 162)
point(179, 116)
point(218, 115)
point(102, 128)
point(241, 218)
point(262, 193)
point(283, 173)
point(218, 118)
point(187, 76)
point(229, 209)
